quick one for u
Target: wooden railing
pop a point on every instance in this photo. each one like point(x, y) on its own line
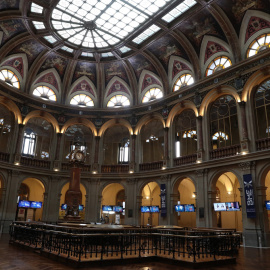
point(151, 166)
point(84, 167)
point(263, 144)
point(121, 168)
point(225, 151)
point(185, 160)
point(83, 246)
point(35, 162)
point(4, 157)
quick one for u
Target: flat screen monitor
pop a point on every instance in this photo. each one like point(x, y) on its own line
point(64, 206)
point(107, 208)
point(35, 204)
point(189, 208)
point(24, 204)
point(81, 207)
point(219, 207)
point(179, 208)
point(118, 209)
point(232, 206)
point(145, 209)
point(267, 205)
point(154, 209)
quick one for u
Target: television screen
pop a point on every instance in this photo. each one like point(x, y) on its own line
point(24, 204)
point(189, 208)
point(64, 206)
point(107, 208)
point(118, 209)
point(145, 209)
point(232, 206)
point(35, 204)
point(81, 207)
point(154, 209)
point(219, 207)
point(179, 208)
point(267, 205)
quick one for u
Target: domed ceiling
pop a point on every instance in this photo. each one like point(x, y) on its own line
point(105, 48)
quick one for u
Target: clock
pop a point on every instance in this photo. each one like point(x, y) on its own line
point(79, 156)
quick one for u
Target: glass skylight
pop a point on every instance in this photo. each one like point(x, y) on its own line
point(87, 54)
point(36, 8)
point(39, 25)
point(125, 49)
point(108, 54)
point(177, 11)
point(67, 49)
point(104, 23)
point(146, 34)
point(50, 39)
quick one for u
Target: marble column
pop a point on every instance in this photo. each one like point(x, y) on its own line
point(96, 156)
point(132, 153)
point(166, 148)
point(199, 138)
point(244, 130)
point(18, 151)
point(57, 163)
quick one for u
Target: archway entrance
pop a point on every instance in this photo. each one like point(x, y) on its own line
point(228, 196)
point(62, 207)
point(186, 203)
point(30, 200)
point(150, 199)
point(113, 204)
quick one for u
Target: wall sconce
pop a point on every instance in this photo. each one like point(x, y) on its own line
point(56, 170)
point(164, 168)
point(147, 198)
point(243, 153)
point(17, 163)
point(229, 192)
point(131, 171)
point(193, 195)
point(94, 172)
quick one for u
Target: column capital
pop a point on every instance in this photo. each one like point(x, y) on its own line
point(242, 103)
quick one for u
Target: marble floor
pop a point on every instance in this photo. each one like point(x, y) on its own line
point(12, 257)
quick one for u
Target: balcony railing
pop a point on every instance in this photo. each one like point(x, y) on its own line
point(185, 160)
point(263, 144)
point(225, 151)
point(67, 166)
point(45, 164)
point(151, 166)
point(4, 157)
point(121, 168)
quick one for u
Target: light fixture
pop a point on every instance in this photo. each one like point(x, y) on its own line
point(94, 172)
point(56, 170)
point(193, 196)
point(243, 153)
point(131, 171)
point(164, 168)
point(17, 163)
point(198, 161)
point(229, 192)
point(147, 198)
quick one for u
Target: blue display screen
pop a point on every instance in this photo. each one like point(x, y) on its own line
point(81, 207)
point(145, 209)
point(179, 208)
point(267, 205)
point(64, 206)
point(24, 204)
point(189, 208)
point(219, 206)
point(35, 204)
point(118, 209)
point(232, 206)
point(107, 208)
point(154, 209)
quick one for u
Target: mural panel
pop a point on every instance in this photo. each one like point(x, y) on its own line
point(115, 69)
point(9, 4)
point(16, 63)
point(83, 86)
point(85, 69)
point(117, 86)
point(49, 78)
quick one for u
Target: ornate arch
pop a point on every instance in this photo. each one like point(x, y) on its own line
point(178, 108)
point(47, 116)
point(113, 122)
point(146, 119)
point(52, 81)
point(107, 183)
point(216, 93)
point(79, 121)
point(177, 181)
point(71, 94)
point(10, 105)
point(244, 44)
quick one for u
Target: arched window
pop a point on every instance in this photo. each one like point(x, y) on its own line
point(82, 100)
point(186, 134)
point(224, 123)
point(262, 110)
point(185, 79)
point(118, 101)
point(152, 94)
point(45, 93)
point(217, 64)
point(259, 44)
point(123, 154)
point(29, 143)
point(9, 77)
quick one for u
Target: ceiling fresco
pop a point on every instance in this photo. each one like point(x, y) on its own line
point(115, 68)
point(9, 4)
point(85, 69)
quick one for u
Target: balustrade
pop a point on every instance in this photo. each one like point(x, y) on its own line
point(84, 167)
point(4, 157)
point(225, 151)
point(35, 162)
point(185, 160)
point(121, 168)
point(263, 144)
point(151, 166)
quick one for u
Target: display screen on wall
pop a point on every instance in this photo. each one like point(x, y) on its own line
point(232, 206)
point(107, 208)
point(179, 208)
point(64, 206)
point(81, 207)
point(219, 207)
point(267, 205)
point(35, 204)
point(154, 209)
point(189, 208)
point(145, 209)
point(24, 204)
point(118, 209)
